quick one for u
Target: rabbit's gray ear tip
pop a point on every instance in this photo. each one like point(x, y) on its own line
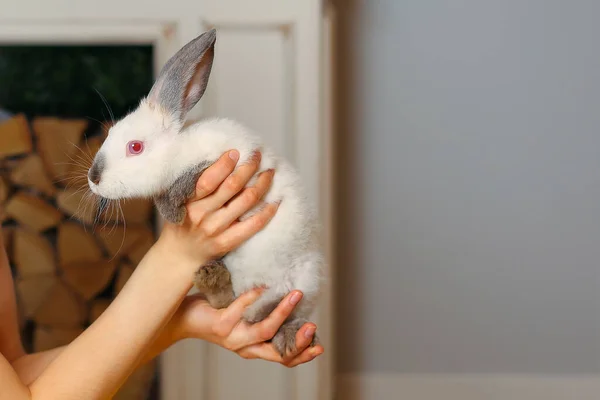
point(212, 34)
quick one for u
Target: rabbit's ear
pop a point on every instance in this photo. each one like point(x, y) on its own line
point(183, 79)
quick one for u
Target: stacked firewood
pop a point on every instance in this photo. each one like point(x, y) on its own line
point(68, 265)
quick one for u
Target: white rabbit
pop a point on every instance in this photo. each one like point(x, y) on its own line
point(148, 154)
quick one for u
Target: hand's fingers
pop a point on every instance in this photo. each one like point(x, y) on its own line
point(233, 184)
point(232, 315)
point(214, 175)
point(221, 219)
point(235, 235)
point(307, 355)
point(267, 328)
point(264, 351)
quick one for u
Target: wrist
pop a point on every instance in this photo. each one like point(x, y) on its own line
point(167, 249)
point(176, 330)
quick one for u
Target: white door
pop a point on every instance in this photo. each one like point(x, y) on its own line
point(271, 72)
point(267, 73)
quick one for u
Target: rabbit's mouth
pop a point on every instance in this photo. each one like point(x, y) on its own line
point(102, 191)
point(94, 187)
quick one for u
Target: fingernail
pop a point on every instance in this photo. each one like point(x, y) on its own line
point(314, 352)
point(268, 172)
point(234, 155)
point(309, 332)
point(295, 299)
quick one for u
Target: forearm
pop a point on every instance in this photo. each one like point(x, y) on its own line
point(30, 366)
point(95, 364)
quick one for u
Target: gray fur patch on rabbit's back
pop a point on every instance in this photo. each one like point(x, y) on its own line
point(171, 203)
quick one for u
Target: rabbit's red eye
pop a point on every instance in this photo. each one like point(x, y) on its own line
point(135, 147)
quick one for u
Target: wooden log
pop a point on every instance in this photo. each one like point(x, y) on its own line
point(57, 143)
point(125, 272)
point(8, 234)
point(33, 291)
point(32, 212)
point(78, 170)
point(22, 318)
point(61, 308)
point(51, 338)
point(9, 164)
point(32, 173)
point(120, 240)
point(33, 254)
point(76, 204)
point(139, 250)
point(76, 245)
point(15, 138)
point(89, 278)
point(92, 145)
point(4, 189)
point(97, 308)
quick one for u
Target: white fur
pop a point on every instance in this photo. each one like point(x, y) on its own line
point(284, 256)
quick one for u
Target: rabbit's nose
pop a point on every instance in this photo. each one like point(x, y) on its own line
point(95, 172)
point(94, 177)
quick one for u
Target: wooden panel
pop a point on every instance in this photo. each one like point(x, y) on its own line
point(274, 49)
point(251, 82)
point(139, 11)
point(325, 372)
point(96, 32)
point(237, 378)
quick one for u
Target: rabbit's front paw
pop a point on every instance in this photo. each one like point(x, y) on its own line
point(214, 281)
point(212, 277)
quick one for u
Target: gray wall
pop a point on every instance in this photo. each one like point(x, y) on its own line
point(469, 186)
